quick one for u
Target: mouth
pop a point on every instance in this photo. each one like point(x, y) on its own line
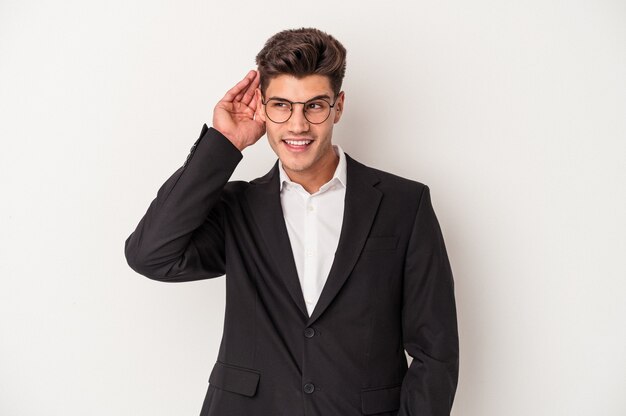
point(297, 145)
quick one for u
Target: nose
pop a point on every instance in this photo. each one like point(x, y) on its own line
point(297, 122)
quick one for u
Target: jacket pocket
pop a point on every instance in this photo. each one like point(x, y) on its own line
point(235, 379)
point(381, 243)
point(380, 399)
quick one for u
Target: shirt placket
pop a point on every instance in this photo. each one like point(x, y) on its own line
point(310, 253)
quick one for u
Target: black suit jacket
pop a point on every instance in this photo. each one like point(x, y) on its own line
point(390, 289)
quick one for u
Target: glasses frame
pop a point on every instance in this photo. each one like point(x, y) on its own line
point(291, 103)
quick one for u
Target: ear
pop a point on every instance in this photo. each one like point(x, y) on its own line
point(339, 103)
point(259, 112)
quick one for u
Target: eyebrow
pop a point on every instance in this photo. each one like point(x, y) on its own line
point(310, 99)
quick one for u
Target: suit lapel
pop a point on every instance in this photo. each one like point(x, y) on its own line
point(264, 203)
point(361, 204)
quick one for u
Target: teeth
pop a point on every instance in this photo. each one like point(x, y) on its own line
point(298, 142)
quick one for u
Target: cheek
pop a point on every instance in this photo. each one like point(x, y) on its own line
point(270, 132)
point(325, 131)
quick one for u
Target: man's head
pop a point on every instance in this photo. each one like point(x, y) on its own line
point(295, 67)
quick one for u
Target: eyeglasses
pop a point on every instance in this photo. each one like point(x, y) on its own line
point(316, 111)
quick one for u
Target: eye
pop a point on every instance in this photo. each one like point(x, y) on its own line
point(279, 105)
point(316, 105)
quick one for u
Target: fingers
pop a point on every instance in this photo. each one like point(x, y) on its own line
point(246, 95)
point(237, 92)
point(250, 92)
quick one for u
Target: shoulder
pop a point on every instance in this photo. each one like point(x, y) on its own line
point(387, 182)
point(266, 183)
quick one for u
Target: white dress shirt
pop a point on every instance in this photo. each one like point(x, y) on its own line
point(314, 224)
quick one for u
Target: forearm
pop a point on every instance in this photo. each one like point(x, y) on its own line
point(431, 339)
point(180, 236)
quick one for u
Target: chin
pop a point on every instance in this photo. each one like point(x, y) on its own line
point(295, 167)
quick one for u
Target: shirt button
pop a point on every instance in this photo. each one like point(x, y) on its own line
point(310, 208)
point(309, 388)
point(309, 332)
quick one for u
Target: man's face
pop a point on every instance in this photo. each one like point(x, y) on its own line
point(302, 147)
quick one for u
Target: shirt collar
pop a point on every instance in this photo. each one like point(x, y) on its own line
point(339, 176)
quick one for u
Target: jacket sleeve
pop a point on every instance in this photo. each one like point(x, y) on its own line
point(181, 236)
point(429, 324)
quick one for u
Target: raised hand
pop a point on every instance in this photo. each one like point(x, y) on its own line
point(233, 116)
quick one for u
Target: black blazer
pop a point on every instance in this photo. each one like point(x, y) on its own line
point(390, 289)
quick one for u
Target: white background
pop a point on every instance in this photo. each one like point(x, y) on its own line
point(514, 113)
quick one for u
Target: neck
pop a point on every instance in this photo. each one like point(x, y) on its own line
point(312, 180)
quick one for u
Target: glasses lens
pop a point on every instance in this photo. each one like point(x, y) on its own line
point(316, 111)
point(279, 111)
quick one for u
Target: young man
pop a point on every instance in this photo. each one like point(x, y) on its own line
point(333, 269)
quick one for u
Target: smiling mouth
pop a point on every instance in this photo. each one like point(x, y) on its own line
point(298, 143)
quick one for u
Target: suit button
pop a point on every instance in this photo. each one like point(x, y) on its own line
point(309, 332)
point(308, 388)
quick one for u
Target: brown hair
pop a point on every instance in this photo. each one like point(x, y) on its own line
point(302, 52)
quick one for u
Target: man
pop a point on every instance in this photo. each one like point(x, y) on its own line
point(333, 269)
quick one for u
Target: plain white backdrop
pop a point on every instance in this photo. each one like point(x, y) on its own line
point(514, 113)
